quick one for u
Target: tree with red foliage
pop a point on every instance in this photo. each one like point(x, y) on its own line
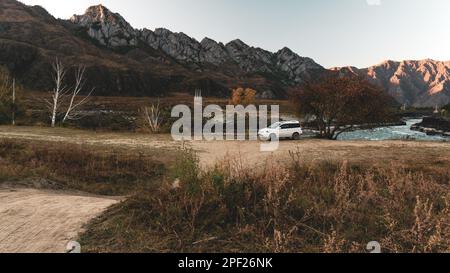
point(338, 104)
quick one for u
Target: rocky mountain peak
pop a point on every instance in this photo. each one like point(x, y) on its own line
point(213, 52)
point(99, 12)
point(108, 28)
point(298, 68)
point(285, 51)
point(238, 43)
point(388, 64)
point(207, 41)
point(238, 51)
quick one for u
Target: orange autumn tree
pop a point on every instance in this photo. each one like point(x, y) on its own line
point(241, 96)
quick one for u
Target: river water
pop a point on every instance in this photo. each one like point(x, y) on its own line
point(392, 133)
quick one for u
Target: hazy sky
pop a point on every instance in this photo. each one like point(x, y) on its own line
point(332, 32)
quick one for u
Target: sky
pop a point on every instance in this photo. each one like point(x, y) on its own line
point(334, 33)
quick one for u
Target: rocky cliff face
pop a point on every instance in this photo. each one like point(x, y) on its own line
point(424, 83)
point(111, 30)
point(298, 68)
point(177, 45)
point(213, 52)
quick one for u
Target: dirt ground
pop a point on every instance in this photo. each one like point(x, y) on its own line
point(36, 221)
point(248, 152)
point(371, 152)
point(43, 221)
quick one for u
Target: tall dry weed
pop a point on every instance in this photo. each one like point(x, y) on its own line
point(324, 206)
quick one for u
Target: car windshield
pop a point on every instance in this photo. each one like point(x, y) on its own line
point(275, 125)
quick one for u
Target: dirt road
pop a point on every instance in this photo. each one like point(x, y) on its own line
point(44, 221)
point(246, 151)
point(374, 152)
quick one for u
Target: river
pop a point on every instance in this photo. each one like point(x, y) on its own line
point(392, 133)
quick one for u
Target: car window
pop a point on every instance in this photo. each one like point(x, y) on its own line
point(275, 125)
point(290, 126)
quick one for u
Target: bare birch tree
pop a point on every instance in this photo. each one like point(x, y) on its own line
point(63, 96)
point(74, 103)
point(58, 92)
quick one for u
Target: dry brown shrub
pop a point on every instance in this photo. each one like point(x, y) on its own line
point(324, 206)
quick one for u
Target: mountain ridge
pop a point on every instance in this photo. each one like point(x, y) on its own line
point(112, 30)
point(124, 61)
point(418, 83)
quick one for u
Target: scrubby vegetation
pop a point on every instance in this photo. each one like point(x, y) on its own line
point(446, 111)
point(11, 106)
point(79, 167)
point(241, 96)
point(304, 207)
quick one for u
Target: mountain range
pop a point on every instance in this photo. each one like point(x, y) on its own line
point(124, 61)
point(424, 83)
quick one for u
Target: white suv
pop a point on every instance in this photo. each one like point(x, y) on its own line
point(285, 129)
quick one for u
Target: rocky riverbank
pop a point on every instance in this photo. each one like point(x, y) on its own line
point(433, 126)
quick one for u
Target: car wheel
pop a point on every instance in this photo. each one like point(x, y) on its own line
point(296, 136)
point(273, 137)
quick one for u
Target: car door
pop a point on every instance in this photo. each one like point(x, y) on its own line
point(296, 128)
point(285, 130)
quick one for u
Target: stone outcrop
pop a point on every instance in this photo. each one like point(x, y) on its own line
point(177, 45)
point(108, 28)
point(298, 68)
point(433, 126)
point(213, 52)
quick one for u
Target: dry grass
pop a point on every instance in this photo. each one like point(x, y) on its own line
point(396, 193)
point(87, 168)
point(123, 113)
point(132, 104)
point(326, 206)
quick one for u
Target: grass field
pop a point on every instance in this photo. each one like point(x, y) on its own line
point(309, 196)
